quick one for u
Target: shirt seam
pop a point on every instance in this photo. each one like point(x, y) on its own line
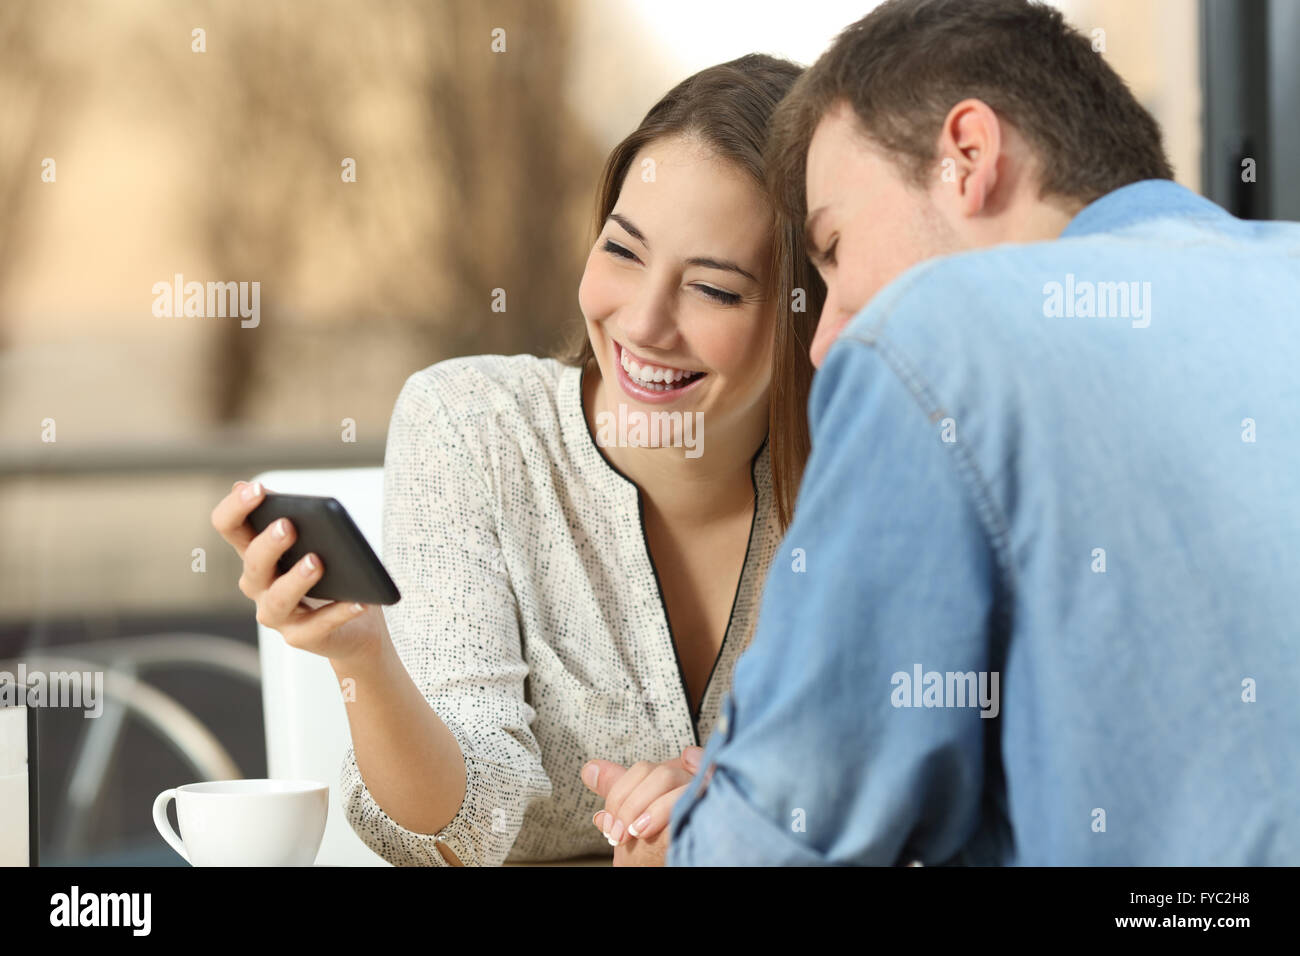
point(993, 523)
point(456, 425)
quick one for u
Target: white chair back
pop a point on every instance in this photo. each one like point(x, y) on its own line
point(306, 721)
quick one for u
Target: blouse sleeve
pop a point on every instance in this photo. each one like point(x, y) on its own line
point(456, 630)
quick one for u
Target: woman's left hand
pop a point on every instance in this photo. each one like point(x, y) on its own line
point(638, 804)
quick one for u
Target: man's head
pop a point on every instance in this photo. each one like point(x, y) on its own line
point(934, 126)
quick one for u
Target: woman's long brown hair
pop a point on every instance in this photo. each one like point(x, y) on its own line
point(728, 107)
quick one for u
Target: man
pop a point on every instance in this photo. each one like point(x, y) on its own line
point(1037, 605)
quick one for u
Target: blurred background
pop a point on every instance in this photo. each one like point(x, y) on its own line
point(144, 140)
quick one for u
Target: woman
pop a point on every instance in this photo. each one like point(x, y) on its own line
point(578, 576)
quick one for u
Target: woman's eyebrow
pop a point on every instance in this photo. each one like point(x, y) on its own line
point(707, 262)
point(632, 230)
point(725, 264)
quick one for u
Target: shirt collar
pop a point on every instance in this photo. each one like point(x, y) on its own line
point(1138, 202)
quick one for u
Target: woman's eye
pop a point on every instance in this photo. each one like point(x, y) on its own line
point(613, 247)
point(726, 298)
point(829, 257)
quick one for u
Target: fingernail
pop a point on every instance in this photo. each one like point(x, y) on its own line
point(358, 608)
point(252, 491)
point(308, 565)
point(597, 821)
point(616, 834)
point(639, 824)
point(590, 775)
point(279, 529)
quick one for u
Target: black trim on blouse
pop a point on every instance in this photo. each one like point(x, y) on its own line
point(740, 579)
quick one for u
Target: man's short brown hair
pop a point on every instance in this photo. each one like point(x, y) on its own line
point(902, 68)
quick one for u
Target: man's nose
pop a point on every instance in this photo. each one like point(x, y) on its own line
point(829, 324)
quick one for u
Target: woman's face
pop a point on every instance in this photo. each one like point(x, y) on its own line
point(674, 292)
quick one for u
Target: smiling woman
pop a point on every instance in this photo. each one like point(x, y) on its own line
point(672, 317)
point(570, 600)
point(713, 121)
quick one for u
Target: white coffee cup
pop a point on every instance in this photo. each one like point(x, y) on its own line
point(246, 822)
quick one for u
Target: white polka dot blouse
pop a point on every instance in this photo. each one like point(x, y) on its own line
point(531, 616)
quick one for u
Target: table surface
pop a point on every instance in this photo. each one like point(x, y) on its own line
point(575, 861)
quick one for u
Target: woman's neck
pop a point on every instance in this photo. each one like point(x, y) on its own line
point(714, 484)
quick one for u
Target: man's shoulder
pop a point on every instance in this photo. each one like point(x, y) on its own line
point(955, 298)
point(998, 327)
point(1006, 283)
point(971, 309)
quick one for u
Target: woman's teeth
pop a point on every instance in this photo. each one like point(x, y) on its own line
point(656, 378)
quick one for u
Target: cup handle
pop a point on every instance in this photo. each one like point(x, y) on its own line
point(164, 825)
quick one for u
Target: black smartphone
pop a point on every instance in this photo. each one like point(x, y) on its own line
point(353, 572)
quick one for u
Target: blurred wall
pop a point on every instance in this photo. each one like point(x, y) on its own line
point(134, 149)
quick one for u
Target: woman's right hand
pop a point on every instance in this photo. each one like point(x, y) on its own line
point(337, 629)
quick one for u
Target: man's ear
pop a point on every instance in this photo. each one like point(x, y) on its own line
point(970, 142)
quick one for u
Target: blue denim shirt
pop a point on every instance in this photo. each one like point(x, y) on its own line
point(1029, 479)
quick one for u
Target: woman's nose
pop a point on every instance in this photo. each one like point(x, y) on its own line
point(650, 319)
